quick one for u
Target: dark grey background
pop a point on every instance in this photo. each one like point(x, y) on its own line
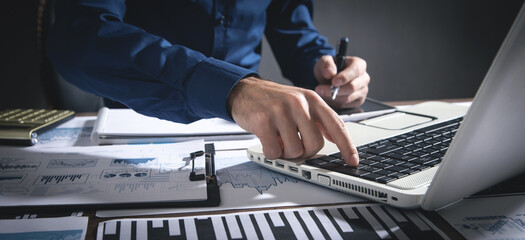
point(415, 49)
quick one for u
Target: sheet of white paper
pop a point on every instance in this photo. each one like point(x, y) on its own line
point(100, 174)
point(126, 122)
point(70, 228)
point(245, 184)
point(235, 144)
point(488, 218)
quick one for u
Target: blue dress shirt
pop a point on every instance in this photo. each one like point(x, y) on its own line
point(178, 59)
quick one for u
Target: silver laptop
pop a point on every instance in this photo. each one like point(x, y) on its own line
point(432, 154)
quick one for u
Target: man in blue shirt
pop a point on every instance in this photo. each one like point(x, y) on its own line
point(184, 60)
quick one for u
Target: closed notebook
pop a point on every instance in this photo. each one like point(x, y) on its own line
point(124, 126)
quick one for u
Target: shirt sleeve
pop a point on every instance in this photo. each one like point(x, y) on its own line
point(92, 47)
point(295, 42)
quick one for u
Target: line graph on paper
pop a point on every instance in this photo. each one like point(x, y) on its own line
point(72, 163)
point(250, 175)
point(15, 164)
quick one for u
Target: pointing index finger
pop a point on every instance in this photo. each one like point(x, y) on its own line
point(337, 131)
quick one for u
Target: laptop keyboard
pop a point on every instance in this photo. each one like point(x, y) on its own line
point(393, 158)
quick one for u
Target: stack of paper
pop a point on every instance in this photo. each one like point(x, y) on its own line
point(122, 126)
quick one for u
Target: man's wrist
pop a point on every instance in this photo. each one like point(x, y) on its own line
point(236, 91)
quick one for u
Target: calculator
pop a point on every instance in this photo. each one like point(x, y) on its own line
point(22, 126)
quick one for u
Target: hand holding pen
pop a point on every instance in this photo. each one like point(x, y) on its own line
point(343, 80)
point(339, 63)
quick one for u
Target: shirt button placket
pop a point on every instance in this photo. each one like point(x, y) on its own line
point(222, 19)
point(221, 37)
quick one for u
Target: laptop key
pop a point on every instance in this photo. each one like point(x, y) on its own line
point(385, 172)
point(399, 175)
point(391, 161)
point(397, 139)
point(383, 149)
point(328, 158)
point(338, 161)
point(419, 154)
point(352, 171)
point(410, 171)
point(367, 162)
point(421, 167)
point(403, 151)
point(407, 165)
point(368, 168)
point(423, 160)
point(382, 165)
point(364, 155)
point(329, 165)
point(321, 164)
point(314, 162)
point(414, 148)
point(433, 163)
point(401, 157)
point(386, 179)
point(396, 168)
point(377, 158)
point(372, 176)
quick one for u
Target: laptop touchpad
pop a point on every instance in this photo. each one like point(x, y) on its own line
point(397, 120)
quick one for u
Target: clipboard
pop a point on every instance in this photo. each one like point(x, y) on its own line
point(212, 190)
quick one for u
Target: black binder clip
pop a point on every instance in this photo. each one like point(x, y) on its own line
point(193, 176)
point(209, 158)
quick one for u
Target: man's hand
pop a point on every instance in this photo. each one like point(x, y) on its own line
point(353, 81)
point(289, 121)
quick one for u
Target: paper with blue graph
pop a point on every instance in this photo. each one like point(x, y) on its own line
point(67, 228)
point(504, 219)
point(100, 175)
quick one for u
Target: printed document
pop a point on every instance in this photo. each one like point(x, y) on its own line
point(100, 174)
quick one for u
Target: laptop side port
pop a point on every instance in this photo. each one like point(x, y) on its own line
point(307, 174)
point(278, 164)
point(268, 162)
point(293, 169)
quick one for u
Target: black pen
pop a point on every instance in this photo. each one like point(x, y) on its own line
point(339, 62)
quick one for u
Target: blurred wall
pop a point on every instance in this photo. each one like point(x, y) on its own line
point(19, 62)
point(415, 49)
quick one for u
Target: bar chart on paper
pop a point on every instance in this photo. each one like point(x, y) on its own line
point(363, 221)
